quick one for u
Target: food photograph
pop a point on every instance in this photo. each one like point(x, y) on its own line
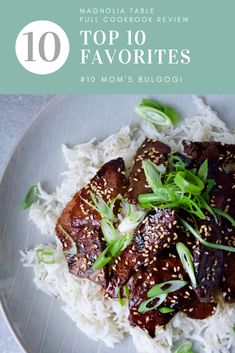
point(117, 223)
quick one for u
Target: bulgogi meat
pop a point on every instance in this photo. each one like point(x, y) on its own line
point(217, 264)
point(157, 153)
point(82, 222)
point(213, 151)
point(151, 257)
point(157, 231)
point(185, 299)
point(224, 198)
point(208, 262)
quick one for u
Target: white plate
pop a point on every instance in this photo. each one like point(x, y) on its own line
point(37, 320)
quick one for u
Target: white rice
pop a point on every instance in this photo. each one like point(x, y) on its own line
point(101, 318)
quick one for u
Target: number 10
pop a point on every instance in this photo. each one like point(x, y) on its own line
point(42, 47)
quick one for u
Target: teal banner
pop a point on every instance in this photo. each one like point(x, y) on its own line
point(156, 46)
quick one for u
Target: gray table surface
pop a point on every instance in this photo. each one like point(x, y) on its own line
point(16, 113)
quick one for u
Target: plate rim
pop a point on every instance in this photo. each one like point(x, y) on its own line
point(49, 105)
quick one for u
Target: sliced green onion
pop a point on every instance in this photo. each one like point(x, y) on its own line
point(170, 198)
point(120, 244)
point(170, 286)
point(136, 217)
point(224, 215)
point(98, 204)
point(210, 183)
point(192, 206)
point(207, 207)
point(102, 260)
point(175, 162)
point(185, 347)
point(130, 222)
point(167, 193)
point(203, 171)
point(170, 205)
point(113, 250)
point(204, 242)
point(143, 308)
point(103, 208)
point(108, 230)
point(152, 175)
point(160, 196)
point(45, 257)
point(161, 168)
point(73, 249)
point(234, 328)
point(116, 246)
point(174, 201)
point(127, 291)
point(166, 310)
point(127, 240)
point(181, 188)
point(30, 197)
point(128, 208)
point(157, 113)
point(146, 205)
point(188, 182)
point(122, 301)
point(187, 262)
point(154, 116)
point(160, 293)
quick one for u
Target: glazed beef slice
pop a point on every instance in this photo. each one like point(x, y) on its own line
point(156, 233)
point(185, 299)
point(221, 161)
point(208, 262)
point(213, 151)
point(155, 151)
point(82, 222)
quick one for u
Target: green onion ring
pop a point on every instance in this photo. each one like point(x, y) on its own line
point(102, 260)
point(153, 115)
point(45, 257)
point(122, 301)
point(184, 347)
point(203, 171)
point(189, 182)
point(108, 230)
point(172, 286)
point(30, 197)
point(187, 261)
point(143, 308)
point(166, 310)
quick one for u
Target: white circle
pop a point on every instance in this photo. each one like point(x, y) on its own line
point(42, 47)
